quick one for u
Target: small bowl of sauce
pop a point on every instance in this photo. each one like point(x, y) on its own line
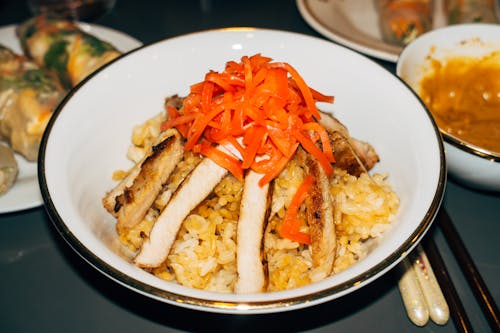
point(463, 95)
point(456, 72)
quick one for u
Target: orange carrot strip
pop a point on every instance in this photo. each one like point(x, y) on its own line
point(177, 121)
point(320, 97)
point(197, 87)
point(181, 125)
point(237, 122)
point(262, 109)
point(271, 157)
point(172, 112)
point(247, 66)
point(206, 96)
point(273, 169)
point(219, 133)
point(291, 224)
point(218, 80)
point(325, 139)
point(224, 160)
point(315, 151)
point(259, 76)
point(259, 60)
point(303, 87)
point(281, 140)
point(198, 126)
point(252, 146)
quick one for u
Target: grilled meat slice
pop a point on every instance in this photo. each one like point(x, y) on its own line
point(332, 124)
point(365, 152)
point(319, 211)
point(254, 210)
point(192, 191)
point(109, 201)
point(131, 205)
point(353, 155)
point(345, 156)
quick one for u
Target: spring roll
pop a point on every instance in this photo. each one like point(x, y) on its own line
point(62, 47)
point(28, 96)
point(468, 11)
point(8, 168)
point(402, 21)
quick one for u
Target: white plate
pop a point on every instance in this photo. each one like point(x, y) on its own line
point(25, 193)
point(353, 23)
point(374, 104)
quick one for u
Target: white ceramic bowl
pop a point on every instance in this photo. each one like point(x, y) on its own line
point(88, 136)
point(471, 165)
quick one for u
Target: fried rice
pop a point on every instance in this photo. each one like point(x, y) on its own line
point(204, 253)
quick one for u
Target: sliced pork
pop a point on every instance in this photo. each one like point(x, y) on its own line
point(319, 211)
point(353, 155)
point(253, 214)
point(192, 191)
point(131, 205)
point(109, 201)
point(345, 156)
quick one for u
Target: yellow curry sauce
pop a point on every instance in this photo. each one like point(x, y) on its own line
point(463, 94)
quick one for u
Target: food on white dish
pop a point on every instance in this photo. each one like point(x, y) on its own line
point(470, 11)
point(267, 192)
point(63, 48)
point(402, 21)
point(28, 95)
point(8, 168)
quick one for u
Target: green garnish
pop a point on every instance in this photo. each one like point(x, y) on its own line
point(56, 59)
point(94, 46)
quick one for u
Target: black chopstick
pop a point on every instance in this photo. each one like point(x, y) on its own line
point(479, 288)
point(457, 311)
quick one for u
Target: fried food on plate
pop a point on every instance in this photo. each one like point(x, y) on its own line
point(28, 96)
point(62, 47)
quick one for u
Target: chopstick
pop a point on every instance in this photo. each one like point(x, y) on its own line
point(439, 311)
point(479, 288)
point(457, 311)
point(412, 294)
point(422, 296)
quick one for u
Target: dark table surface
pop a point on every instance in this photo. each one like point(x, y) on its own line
point(46, 287)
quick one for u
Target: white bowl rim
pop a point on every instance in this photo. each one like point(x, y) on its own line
point(452, 30)
point(237, 307)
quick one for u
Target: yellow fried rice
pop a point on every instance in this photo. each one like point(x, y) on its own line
point(204, 253)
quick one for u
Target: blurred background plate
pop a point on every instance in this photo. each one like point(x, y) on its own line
point(351, 23)
point(25, 193)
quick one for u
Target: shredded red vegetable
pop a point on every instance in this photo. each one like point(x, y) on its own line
point(290, 228)
point(262, 110)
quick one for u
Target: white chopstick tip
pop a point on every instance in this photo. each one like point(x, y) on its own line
point(438, 307)
point(412, 295)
